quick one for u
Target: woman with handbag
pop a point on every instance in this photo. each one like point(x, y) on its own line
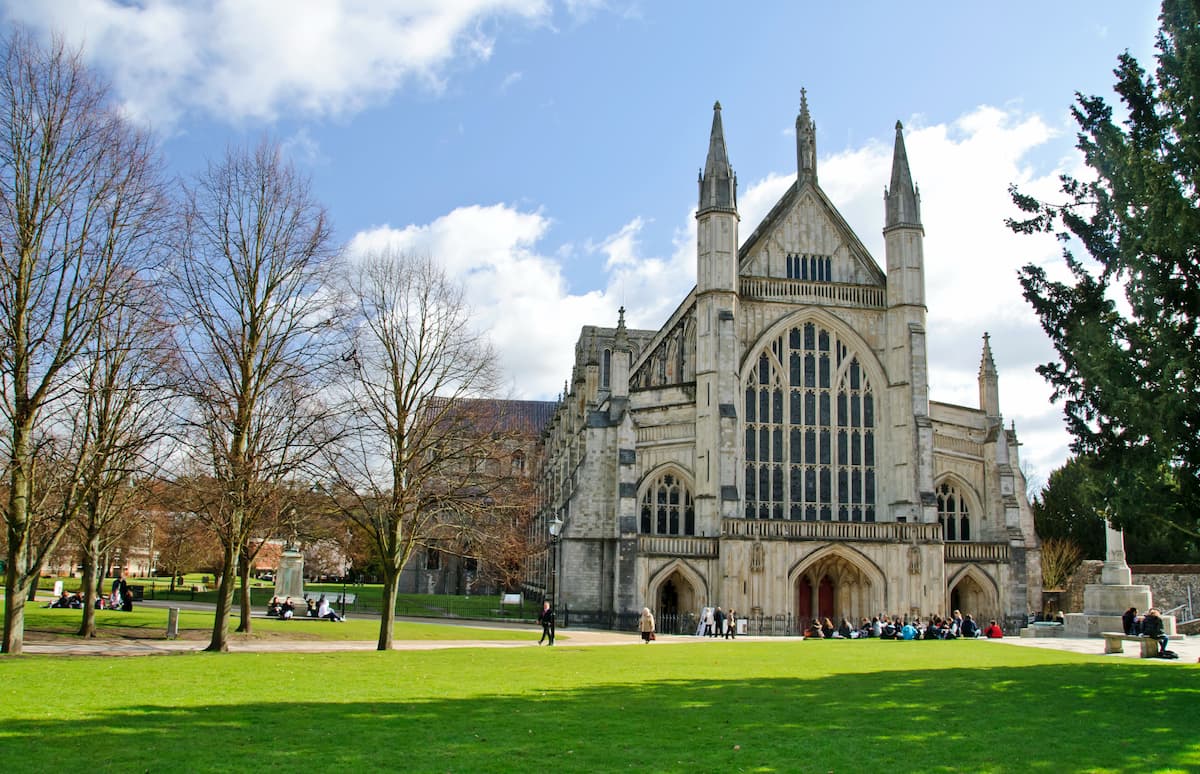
point(646, 625)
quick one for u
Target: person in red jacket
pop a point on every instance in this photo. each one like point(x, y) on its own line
point(993, 631)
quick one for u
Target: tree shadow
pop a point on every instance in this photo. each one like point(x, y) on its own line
point(1041, 718)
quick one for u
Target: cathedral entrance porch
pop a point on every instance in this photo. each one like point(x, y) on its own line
point(835, 584)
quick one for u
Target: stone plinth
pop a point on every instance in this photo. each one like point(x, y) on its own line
point(1085, 625)
point(1105, 599)
point(289, 578)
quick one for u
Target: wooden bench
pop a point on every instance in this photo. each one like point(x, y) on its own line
point(1114, 642)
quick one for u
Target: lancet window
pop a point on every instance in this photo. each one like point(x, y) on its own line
point(667, 507)
point(815, 268)
point(810, 431)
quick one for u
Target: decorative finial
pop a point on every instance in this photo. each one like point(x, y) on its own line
point(621, 317)
point(717, 105)
point(899, 126)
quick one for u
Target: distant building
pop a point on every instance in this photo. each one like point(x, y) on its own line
point(453, 566)
point(773, 447)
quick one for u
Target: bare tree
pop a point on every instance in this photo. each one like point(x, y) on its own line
point(79, 191)
point(124, 407)
point(413, 467)
point(256, 317)
point(1060, 559)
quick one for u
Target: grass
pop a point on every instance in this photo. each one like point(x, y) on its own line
point(758, 706)
point(368, 597)
point(42, 624)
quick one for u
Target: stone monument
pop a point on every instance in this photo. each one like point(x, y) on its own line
point(1104, 602)
point(289, 577)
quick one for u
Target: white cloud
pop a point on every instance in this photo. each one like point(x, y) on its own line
point(253, 59)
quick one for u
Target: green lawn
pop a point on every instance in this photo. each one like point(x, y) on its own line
point(151, 623)
point(704, 706)
point(368, 597)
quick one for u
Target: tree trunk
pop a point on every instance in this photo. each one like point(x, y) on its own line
point(91, 586)
point(220, 632)
point(391, 584)
point(14, 594)
point(244, 574)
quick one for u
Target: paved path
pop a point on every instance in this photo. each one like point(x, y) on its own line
point(1188, 648)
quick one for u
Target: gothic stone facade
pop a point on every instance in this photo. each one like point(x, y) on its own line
point(773, 447)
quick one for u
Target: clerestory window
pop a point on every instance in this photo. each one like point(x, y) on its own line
point(953, 513)
point(667, 507)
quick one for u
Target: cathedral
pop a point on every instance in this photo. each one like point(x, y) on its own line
point(773, 447)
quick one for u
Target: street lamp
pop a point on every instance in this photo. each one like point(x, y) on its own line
point(555, 530)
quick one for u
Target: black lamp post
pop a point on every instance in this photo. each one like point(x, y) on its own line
point(555, 530)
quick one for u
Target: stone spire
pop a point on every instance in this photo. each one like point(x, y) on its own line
point(718, 184)
point(622, 357)
point(621, 337)
point(903, 199)
point(806, 142)
point(989, 381)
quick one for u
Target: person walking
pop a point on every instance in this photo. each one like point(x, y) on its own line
point(646, 625)
point(546, 619)
point(718, 622)
point(731, 625)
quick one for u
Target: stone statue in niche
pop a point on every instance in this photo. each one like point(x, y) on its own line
point(914, 560)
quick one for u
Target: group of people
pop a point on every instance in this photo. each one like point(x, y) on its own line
point(72, 601)
point(1148, 625)
point(120, 598)
point(900, 628)
point(285, 609)
point(715, 622)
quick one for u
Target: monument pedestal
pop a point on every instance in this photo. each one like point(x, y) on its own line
point(1105, 602)
point(289, 579)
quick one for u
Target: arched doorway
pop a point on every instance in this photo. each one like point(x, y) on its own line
point(835, 586)
point(974, 595)
point(676, 604)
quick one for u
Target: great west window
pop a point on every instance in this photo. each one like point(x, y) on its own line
point(810, 431)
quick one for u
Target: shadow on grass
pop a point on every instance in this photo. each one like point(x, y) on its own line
point(1076, 717)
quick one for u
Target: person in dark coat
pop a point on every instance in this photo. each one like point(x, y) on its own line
point(1129, 621)
point(1152, 626)
point(546, 619)
point(719, 620)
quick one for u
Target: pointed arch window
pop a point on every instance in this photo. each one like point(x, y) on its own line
point(606, 369)
point(810, 431)
point(953, 513)
point(667, 508)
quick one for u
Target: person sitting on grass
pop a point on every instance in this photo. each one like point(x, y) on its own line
point(909, 632)
point(887, 629)
point(970, 629)
point(273, 607)
point(993, 631)
point(287, 610)
point(311, 607)
point(62, 601)
point(325, 611)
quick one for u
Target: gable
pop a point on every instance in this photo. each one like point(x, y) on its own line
point(805, 237)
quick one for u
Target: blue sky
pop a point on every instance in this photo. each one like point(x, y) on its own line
point(547, 152)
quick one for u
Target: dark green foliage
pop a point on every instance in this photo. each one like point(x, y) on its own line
point(1128, 373)
point(1072, 504)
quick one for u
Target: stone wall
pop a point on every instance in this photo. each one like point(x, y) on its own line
point(1168, 584)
